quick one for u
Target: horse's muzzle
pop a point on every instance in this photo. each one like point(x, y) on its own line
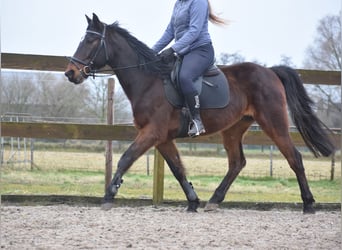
point(74, 76)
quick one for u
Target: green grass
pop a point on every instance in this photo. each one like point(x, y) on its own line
point(91, 183)
point(82, 173)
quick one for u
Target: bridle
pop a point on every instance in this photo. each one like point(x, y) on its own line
point(87, 69)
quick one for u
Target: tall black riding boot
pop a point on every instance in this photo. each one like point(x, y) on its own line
point(196, 126)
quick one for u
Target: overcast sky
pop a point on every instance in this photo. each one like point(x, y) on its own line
point(261, 30)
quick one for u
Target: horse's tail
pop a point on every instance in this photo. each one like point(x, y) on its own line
point(313, 131)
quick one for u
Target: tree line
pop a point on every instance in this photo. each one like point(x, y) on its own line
point(51, 96)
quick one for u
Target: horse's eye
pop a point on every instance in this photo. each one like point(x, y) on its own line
point(89, 39)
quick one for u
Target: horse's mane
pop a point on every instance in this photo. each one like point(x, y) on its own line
point(148, 59)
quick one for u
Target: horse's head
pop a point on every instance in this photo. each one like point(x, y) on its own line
point(91, 53)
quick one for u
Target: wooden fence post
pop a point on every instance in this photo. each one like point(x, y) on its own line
point(110, 121)
point(332, 171)
point(158, 178)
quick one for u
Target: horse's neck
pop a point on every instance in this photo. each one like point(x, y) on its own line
point(126, 75)
point(134, 83)
point(125, 64)
point(126, 83)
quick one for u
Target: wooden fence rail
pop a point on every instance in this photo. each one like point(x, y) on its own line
point(122, 133)
point(59, 63)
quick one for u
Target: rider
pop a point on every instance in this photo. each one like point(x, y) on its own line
point(189, 28)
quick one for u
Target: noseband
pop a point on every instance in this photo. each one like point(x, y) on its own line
point(87, 69)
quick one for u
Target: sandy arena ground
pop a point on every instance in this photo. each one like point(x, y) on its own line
point(69, 227)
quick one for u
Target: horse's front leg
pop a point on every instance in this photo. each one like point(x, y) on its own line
point(141, 144)
point(171, 156)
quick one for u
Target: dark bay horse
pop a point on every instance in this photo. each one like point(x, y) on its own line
point(257, 94)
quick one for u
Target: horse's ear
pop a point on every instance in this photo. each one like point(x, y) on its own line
point(88, 19)
point(96, 20)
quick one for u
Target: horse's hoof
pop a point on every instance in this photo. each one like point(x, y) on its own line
point(209, 207)
point(309, 210)
point(191, 210)
point(107, 206)
point(193, 205)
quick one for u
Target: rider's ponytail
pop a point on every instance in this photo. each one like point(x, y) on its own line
point(214, 18)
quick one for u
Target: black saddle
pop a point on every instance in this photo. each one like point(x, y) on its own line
point(212, 87)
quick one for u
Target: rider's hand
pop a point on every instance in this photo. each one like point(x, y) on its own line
point(167, 55)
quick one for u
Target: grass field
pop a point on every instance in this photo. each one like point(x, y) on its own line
point(82, 173)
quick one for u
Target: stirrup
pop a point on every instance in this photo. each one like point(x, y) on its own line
point(196, 128)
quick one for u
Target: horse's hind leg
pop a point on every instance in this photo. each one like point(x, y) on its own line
point(171, 156)
point(277, 130)
point(294, 158)
point(232, 143)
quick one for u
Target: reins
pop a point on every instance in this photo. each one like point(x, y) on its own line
point(94, 72)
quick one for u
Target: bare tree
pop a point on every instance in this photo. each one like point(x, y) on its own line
point(226, 58)
point(325, 52)
point(60, 98)
point(41, 94)
point(18, 90)
point(97, 98)
point(286, 60)
point(97, 101)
